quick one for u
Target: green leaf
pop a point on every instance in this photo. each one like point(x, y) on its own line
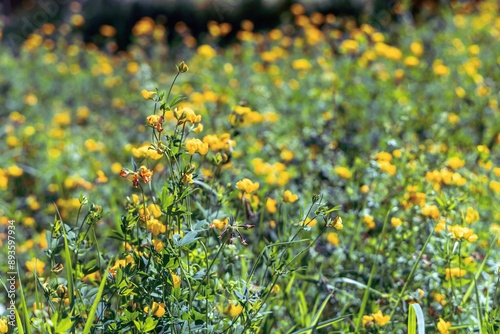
point(415, 315)
point(64, 325)
point(314, 322)
point(69, 270)
point(90, 319)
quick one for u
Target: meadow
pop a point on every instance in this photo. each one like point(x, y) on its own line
point(324, 176)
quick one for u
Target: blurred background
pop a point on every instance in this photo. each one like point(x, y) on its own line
point(22, 17)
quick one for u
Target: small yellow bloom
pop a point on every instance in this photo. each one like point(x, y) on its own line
point(343, 172)
point(246, 185)
point(3, 325)
point(443, 327)
point(271, 205)
point(233, 310)
point(288, 197)
point(381, 319)
point(156, 309)
point(396, 222)
point(147, 95)
point(309, 222)
point(333, 239)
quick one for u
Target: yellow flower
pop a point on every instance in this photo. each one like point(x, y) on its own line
point(177, 280)
point(288, 197)
point(14, 171)
point(187, 178)
point(380, 318)
point(396, 222)
point(309, 222)
point(271, 205)
point(40, 266)
point(463, 233)
point(431, 211)
point(158, 245)
point(246, 185)
point(411, 61)
point(153, 119)
point(333, 238)
point(368, 220)
point(456, 163)
point(471, 216)
point(195, 145)
point(454, 272)
point(206, 51)
point(364, 189)
point(343, 172)
point(182, 67)
point(3, 325)
point(147, 95)
point(156, 309)
point(233, 310)
point(219, 224)
point(443, 327)
point(337, 223)
point(301, 64)
point(275, 289)
point(441, 226)
point(367, 320)
point(198, 129)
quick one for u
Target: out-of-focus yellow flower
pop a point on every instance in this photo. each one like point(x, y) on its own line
point(148, 95)
point(471, 215)
point(206, 51)
point(333, 239)
point(367, 320)
point(431, 211)
point(195, 145)
point(309, 222)
point(3, 325)
point(396, 222)
point(368, 220)
point(463, 233)
point(381, 319)
point(40, 266)
point(247, 186)
point(456, 163)
point(233, 310)
point(343, 172)
point(443, 327)
point(14, 171)
point(271, 205)
point(301, 64)
point(288, 197)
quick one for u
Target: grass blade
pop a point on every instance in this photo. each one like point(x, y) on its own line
point(322, 324)
point(90, 319)
point(410, 276)
point(478, 273)
point(372, 273)
point(415, 317)
point(69, 270)
point(18, 320)
point(318, 314)
point(24, 307)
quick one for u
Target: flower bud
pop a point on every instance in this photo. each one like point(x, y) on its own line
point(57, 269)
point(191, 169)
point(62, 291)
point(315, 198)
point(337, 223)
point(182, 67)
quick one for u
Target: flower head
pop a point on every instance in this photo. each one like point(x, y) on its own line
point(246, 185)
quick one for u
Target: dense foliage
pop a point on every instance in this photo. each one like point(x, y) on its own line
point(318, 177)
